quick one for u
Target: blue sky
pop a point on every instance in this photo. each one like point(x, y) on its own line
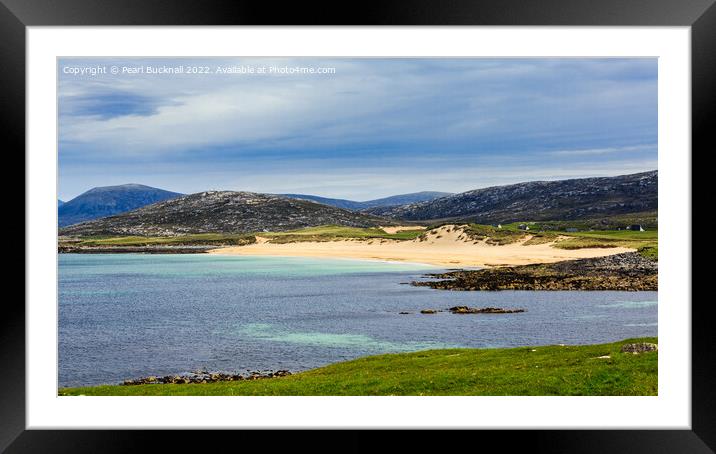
point(373, 128)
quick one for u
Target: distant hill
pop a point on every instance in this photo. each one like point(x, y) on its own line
point(401, 199)
point(538, 200)
point(338, 203)
point(109, 200)
point(223, 212)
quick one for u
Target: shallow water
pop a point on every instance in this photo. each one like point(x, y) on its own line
point(130, 315)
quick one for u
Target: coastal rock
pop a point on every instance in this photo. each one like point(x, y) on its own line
point(639, 347)
point(428, 311)
point(484, 310)
point(202, 376)
point(629, 271)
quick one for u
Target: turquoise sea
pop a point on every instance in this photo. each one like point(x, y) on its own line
point(130, 315)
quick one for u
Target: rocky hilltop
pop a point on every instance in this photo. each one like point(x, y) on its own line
point(394, 200)
point(109, 200)
point(538, 200)
point(223, 212)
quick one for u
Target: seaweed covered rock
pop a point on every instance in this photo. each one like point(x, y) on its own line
point(484, 310)
point(627, 272)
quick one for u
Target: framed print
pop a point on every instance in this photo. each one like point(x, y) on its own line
point(381, 226)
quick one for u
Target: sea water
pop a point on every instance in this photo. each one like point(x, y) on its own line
point(131, 315)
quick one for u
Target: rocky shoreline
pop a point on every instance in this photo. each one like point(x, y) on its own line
point(72, 249)
point(627, 272)
point(205, 377)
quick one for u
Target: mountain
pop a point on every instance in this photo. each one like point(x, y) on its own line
point(60, 203)
point(108, 201)
point(401, 199)
point(338, 203)
point(223, 212)
point(538, 200)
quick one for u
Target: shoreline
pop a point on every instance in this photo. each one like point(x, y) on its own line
point(446, 248)
point(137, 250)
point(635, 360)
point(621, 272)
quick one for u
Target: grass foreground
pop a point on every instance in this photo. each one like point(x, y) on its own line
point(590, 370)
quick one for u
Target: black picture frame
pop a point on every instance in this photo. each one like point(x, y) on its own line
point(16, 15)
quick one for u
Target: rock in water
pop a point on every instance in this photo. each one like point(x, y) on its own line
point(484, 310)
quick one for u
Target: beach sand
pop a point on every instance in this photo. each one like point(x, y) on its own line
point(447, 251)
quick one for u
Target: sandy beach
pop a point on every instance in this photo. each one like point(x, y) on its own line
point(448, 250)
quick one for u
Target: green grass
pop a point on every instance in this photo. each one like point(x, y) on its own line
point(541, 238)
point(650, 252)
point(616, 235)
point(585, 243)
point(646, 243)
point(647, 219)
point(335, 232)
point(195, 239)
point(494, 235)
point(549, 370)
point(322, 233)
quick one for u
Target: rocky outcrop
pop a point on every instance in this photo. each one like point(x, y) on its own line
point(639, 347)
point(471, 310)
point(205, 377)
point(484, 310)
point(629, 272)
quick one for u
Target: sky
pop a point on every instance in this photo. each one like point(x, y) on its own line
point(355, 128)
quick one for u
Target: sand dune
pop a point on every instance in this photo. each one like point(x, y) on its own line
point(447, 247)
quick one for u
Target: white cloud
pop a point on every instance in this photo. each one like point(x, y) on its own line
point(602, 151)
point(457, 124)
